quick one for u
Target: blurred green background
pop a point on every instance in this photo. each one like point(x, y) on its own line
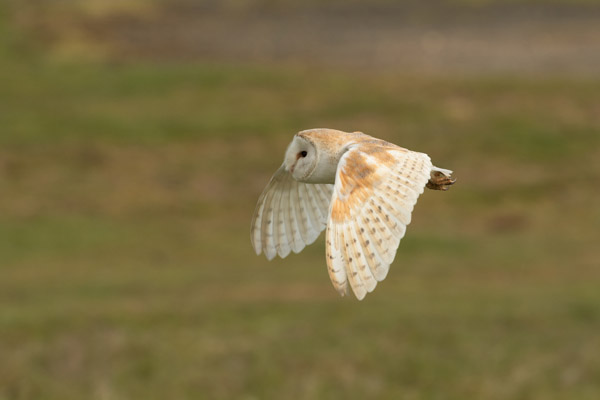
point(136, 137)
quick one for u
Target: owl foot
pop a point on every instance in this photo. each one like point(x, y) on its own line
point(440, 181)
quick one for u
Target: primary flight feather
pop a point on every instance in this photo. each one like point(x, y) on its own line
point(362, 189)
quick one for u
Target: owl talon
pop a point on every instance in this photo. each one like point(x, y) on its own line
point(439, 181)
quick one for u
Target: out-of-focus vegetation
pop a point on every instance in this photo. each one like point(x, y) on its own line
point(126, 191)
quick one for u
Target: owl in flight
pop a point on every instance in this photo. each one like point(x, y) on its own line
point(362, 189)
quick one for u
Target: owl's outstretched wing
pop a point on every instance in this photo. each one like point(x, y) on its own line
point(289, 215)
point(376, 188)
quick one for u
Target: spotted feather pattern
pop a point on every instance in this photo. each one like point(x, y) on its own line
point(289, 215)
point(376, 188)
point(362, 189)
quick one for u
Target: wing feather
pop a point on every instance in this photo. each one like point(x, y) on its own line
point(304, 227)
point(346, 247)
point(289, 215)
point(376, 188)
point(315, 223)
point(292, 222)
point(335, 261)
point(323, 198)
point(284, 246)
point(258, 216)
point(269, 221)
point(320, 208)
point(378, 267)
point(358, 257)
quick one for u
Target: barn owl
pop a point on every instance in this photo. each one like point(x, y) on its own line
point(362, 189)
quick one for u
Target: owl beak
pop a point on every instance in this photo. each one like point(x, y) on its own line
point(298, 156)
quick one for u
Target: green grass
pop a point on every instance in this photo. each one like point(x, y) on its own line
point(126, 192)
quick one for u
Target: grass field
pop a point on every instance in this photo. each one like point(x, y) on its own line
point(126, 191)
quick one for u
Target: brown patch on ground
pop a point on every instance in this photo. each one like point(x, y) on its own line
point(507, 222)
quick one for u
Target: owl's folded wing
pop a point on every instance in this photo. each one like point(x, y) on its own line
point(375, 191)
point(289, 215)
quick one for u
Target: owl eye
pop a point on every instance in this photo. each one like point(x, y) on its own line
point(303, 154)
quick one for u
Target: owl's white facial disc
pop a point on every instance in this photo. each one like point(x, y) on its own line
point(301, 158)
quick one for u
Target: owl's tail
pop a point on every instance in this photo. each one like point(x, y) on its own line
point(441, 179)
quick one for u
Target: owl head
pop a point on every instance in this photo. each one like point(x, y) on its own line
point(301, 158)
